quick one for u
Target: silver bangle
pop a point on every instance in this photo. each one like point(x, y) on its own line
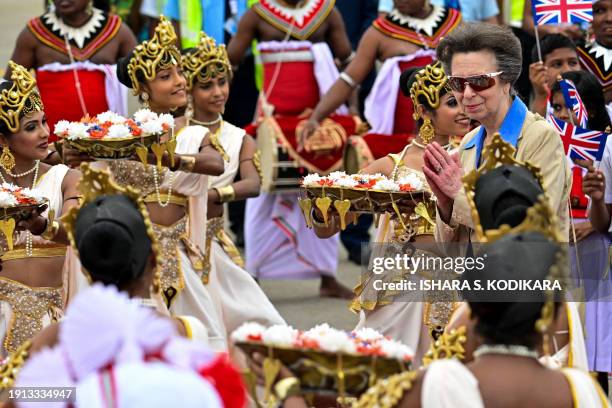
point(348, 59)
point(347, 78)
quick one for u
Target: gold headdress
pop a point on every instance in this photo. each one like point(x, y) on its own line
point(95, 183)
point(20, 99)
point(429, 82)
point(151, 56)
point(206, 61)
point(540, 216)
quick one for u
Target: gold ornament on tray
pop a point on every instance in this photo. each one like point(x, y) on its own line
point(357, 361)
point(109, 136)
point(361, 193)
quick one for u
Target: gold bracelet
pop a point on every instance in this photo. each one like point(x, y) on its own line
point(226, 193)
point(287, 387)
point(50, 230)
point(186, 164)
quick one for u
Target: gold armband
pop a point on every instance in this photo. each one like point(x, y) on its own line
point(287, 387)
point(226, 193)
point(52, 227)
point(186, 164)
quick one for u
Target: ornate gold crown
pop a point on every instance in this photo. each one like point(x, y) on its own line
point(151, 56)
point(95, 183)
point(429, 82)
point(20, 99)
point(540, 217)
point(207, 61)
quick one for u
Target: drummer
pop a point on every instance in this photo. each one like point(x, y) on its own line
point(409, 322)
point(274, 221)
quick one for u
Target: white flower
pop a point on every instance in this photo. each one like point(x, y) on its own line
point(347, 182)
point(413, 180)
point(35, 193)
point(167, 119)
point(336, 175)
point(368, 334)
point(330, 339)
point(386, 185)
point(153, 127)
point(311, 180)
point(109, 116)
point(395, 349)
point(78, 130)
point(7, 199)
point(247, 331)
point(118, 132)
point(61, 128)
point(280, 336)
point(144, 115)
point(9, 187)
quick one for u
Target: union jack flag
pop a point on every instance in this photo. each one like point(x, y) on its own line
point(573, 101)
point(580, 143)
point(562, 11)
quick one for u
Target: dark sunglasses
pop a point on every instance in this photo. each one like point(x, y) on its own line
point(477, 82)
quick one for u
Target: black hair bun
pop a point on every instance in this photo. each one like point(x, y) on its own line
point(112, 240)
point(122, 70)
point(407, 78)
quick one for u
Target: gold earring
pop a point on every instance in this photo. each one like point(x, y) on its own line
point(145, 99)
point(426, 132)
point(7, 160)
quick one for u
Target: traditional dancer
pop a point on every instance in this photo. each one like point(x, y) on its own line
point(404, 38)
point(32, 289)
point(298, 43)
point(74, 48)
point(176, 197)
point(439, 117)
point(238, 297)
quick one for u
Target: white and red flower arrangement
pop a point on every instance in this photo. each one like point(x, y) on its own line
point(362, 342)
point(14, 196)
point(109, 125)
point(374, 182)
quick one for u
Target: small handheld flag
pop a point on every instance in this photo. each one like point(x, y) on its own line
point(562, 11)
point(580, 143)
point(574, 102)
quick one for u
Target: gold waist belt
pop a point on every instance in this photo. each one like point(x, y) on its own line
point(169, 239)
point(29, 305)
point(165, 197)
point(214, 230)
point(37, 252)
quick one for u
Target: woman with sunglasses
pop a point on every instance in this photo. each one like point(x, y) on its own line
point(439, 117)
point(484, 62)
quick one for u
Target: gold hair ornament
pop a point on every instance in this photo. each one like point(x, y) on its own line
point(429, 82)
point(207, 61)
point(95, 183)
point(21, 99)
point(151, 56)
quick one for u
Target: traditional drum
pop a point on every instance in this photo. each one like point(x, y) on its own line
point(283, 166)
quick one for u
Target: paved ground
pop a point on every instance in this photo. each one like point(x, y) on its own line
point(297, 301)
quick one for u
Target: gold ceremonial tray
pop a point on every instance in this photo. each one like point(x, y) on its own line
point(109, 149)
point(322, 372)
point(359, 200)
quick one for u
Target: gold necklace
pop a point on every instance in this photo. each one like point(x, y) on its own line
point(423, 146)
point(211, 123)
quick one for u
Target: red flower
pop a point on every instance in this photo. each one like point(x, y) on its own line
point(325, 182)
point(406, 187)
